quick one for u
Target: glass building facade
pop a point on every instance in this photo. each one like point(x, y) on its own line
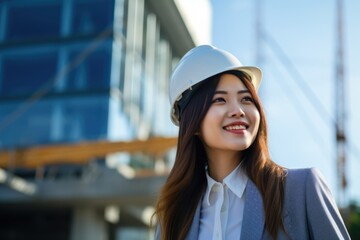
point(74, 70)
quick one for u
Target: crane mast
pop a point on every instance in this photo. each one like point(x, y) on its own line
point(340, 109)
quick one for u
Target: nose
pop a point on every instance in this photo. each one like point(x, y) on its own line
point(236, 111)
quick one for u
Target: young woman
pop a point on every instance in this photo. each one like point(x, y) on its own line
point(223, 184)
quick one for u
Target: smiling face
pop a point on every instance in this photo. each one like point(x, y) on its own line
point(232, 121)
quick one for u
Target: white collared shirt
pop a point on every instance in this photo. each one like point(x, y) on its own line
point(222, 207)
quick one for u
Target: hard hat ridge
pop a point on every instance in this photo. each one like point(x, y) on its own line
point(199, 64)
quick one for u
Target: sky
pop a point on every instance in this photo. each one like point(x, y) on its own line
point(298, 59)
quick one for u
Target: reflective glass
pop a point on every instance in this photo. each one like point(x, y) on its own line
point(54, 121)
point(85, 118)
point(28, 127)
point(92, 16)
point(33, 21)
point(24, 73)
point(93, 72)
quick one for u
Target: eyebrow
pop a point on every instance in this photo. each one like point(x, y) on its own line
point(225, 92)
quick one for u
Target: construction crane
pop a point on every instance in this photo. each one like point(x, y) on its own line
point(339, 94)
point(340, 121)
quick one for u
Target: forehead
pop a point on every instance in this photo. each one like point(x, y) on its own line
point(230, 81)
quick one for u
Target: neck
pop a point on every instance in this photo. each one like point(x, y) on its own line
point(222, 164)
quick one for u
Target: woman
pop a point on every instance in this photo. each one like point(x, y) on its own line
point(223, 184)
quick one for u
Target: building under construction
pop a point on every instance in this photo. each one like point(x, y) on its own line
point(85, 133)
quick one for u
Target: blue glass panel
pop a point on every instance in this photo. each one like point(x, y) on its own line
point(87, 117)
point(92, 73)
point(30, 127)
point(48, 121)
point(26, 73)
point(33, 21)
point(92, 16)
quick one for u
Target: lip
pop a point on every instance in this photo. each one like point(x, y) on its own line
point(238, 127)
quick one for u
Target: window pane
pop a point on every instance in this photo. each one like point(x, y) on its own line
point(92, 73)
point(85, 118)
point(31, 127)
point(26, 73)
point(80, 118)
point(33, 22)
point(92, 16)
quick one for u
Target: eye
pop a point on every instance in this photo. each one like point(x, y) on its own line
point(218, 100)
point(247, 99)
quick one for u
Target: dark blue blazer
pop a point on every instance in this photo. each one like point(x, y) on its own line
point(310, 211)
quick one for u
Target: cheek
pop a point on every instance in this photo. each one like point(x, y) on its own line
point(209, 122)
point(211, 118)
point(256, 121)
point(202, 131)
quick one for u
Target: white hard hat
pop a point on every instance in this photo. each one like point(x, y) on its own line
point(199, 64)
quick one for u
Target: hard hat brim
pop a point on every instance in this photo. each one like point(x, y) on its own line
point(254, 73)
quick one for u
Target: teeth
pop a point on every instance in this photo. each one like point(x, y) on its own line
point(237, 127)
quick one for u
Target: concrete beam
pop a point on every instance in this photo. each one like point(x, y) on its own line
point(173, 24)
point(108, 188)
point(81, 152)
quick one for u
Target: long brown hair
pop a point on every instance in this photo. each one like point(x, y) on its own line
point(185, 185)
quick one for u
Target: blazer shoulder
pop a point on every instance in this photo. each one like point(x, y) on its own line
point(300, 171)
point(298, 175)
point(305, 176)
point(299, 181)
point(311, 209)
point(303, 173)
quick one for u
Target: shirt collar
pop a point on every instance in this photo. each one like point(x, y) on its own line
point(236, 181)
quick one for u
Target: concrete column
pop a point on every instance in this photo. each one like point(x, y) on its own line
point(88, 224)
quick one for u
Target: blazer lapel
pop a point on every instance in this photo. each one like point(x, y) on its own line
point(253, 218)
